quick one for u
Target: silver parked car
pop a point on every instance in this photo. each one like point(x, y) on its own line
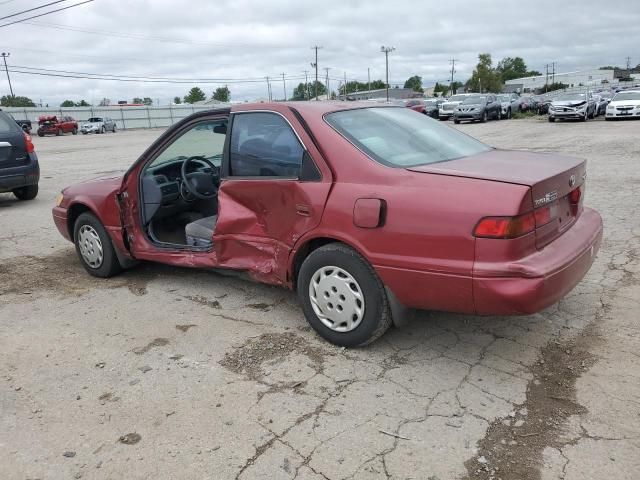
point(98, 125)
point(509, 103)
point(446, 109)
point(576, 106)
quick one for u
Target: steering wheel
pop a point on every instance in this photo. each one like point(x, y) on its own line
point(201, 185)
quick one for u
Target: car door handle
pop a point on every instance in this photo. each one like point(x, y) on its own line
point(303, 210)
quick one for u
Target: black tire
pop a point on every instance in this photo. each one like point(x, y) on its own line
point(508, 114)
point(484, 117)
point(84, 133)
point(585, 118)
point(456, 121)
point(110, 265)
point(74, 131)
point(551, 119)
point(608, 119)
point(114, 128)
point(376, 319)
point(103, 129)
point(26, 193)
point(442, 119)
point(40, 134)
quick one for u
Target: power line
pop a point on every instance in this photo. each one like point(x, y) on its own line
point(315, 65)
point(32, 9)
point(46, 13)
point(140, 79)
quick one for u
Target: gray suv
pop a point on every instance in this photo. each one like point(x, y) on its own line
point(19, 169)
point(478, 108)
point(98, 125)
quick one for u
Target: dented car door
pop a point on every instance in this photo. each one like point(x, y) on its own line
point(273, 191)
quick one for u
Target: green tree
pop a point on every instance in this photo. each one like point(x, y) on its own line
point(484, 77)
point(415, 83)
point(378, 85)
point(147, 101)
point(222, 94)
point(553, 86)
point(177, 100)
point(9, 101)
point(511, 67)
point(194, 95)
point(440, 89)
point(83, 103)
point(304, 91)
point(68, 103)
point(136, 100)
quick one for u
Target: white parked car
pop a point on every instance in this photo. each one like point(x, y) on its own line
point(98, 125)
point(445, 112)
point(625, 104)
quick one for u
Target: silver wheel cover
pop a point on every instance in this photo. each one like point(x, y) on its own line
point(336, 298)
point(90, 246)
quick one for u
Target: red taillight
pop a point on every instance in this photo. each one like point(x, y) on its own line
point(546, 214)
point(28, 143)
point(505, 227)
point(574, 196)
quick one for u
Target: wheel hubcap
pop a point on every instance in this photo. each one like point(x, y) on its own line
point(336, 299)
point(90, 246)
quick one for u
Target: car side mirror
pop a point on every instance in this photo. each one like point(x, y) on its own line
point(220, 129)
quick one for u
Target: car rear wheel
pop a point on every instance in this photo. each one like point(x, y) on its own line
point(342, 297)
point(484, 117)
point(114, 128)
point(26, 193)
point(103, 129)
point(508, 113)
point(74, 131)
point(456, 121)
point(94, 247)
point(551, 119)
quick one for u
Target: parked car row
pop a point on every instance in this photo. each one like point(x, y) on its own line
point(54, 125)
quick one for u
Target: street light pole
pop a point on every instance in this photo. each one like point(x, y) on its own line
point(4, 57)
point(386, 51)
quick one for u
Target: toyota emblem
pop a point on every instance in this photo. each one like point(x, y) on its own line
point(572, 180)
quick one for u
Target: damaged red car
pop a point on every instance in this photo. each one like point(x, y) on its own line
point(366, 211)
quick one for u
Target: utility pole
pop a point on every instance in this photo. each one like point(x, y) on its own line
point(386, 51)
point(453, 70)
point(284, 87)
point(553, 72)
point(268, 89)
point(306, 85)
point(546, 80)
point(315, 65)
point(368, 83)
point(345, 86)
point(4, 57)
point(327, 82)
point(628, 64)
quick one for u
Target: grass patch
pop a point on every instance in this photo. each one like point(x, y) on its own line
point(527, 114)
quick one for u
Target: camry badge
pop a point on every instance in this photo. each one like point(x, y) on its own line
point(572, 180)
point(548, 198)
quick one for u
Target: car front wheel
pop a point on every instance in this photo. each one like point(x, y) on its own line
point(26, 193)
point(94, 247)
point(342, 297)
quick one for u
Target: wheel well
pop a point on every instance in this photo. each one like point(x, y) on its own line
point(305, 250)
point(74, 212)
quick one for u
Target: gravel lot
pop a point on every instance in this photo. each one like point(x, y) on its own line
point(167, 373)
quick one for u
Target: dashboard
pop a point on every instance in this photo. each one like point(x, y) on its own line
point(168, 176)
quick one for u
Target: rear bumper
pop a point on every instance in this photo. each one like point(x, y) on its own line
point(20, 176)
point(541, 279)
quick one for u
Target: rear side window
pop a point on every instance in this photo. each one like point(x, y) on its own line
point(7, 124)
point(264, 145)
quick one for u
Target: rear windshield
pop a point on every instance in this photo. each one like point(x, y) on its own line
point(627, 96)
point(94, 120)
point(7, 123)
point(399, 137)
point(457, 98)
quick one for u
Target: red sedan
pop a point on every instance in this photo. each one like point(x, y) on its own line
point(365, 210)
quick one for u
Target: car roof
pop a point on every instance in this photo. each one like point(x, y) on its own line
point(310, 108)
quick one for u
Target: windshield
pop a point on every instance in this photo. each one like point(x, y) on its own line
point(627, 96)
point(504, 98)
point(94, 120)
point(457, 98)
point(398, 137)
point(571, 97)
point(475, 100)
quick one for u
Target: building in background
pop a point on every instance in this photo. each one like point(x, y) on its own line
point(394, 93)
point(587, 78)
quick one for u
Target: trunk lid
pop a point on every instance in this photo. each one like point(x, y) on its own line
point(551, 178)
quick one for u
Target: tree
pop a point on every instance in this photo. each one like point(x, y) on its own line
point(9, 101)
point(105, 102)
point(553, 86)
point(83, 103)
point(304, 91)
point(441, 89)
point(222, 94)
point(195, 95)
point(136, 100)
point(147, 101)
point(484, 77)
point(177, 100)
point(511, 67)
point(68, 103)
point(378, 85)
point(415, 83)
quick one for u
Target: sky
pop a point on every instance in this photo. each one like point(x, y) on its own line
point(240, 42)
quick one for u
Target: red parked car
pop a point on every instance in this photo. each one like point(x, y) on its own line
point(52, 125)
point(365, 210)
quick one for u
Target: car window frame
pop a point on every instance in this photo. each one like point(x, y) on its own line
point(226, 161)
